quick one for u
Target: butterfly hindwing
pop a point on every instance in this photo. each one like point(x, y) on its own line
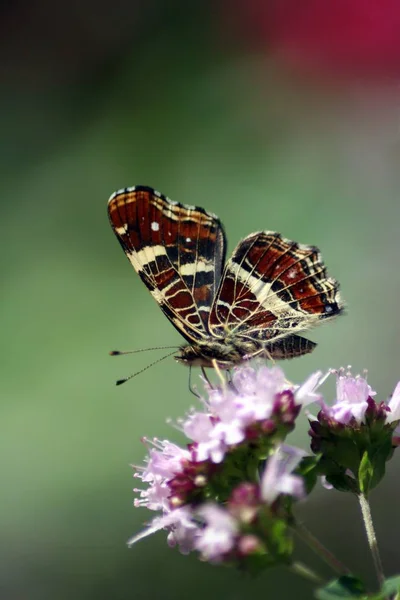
point(271, 288)
point(177, 250)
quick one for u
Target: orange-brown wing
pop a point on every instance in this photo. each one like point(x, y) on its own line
point(271, 288)
point(177, 250)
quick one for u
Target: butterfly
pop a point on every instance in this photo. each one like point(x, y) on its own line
point(253, 304)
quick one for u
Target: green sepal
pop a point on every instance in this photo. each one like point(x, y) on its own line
point(337, 476)
point(365, 474)
point(379, 458)
point(255, 564)
point(362, 452)
point(344, 587)
point(373, 465)
point(275, 535)
point(308, 470)
point(391, 587)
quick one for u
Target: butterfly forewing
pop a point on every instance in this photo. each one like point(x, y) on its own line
point(177, 250)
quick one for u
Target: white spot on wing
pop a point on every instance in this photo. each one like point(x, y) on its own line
point(305, 247)
point(188, 240)
point(155, 226)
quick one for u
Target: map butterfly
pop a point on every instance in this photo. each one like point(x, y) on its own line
point(254, 304)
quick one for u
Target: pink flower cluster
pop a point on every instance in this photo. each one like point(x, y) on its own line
point(236, 474)
point(242, 422)
point(256, 403)
point(221, 532)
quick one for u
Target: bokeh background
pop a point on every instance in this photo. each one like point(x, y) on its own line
point(277, 115)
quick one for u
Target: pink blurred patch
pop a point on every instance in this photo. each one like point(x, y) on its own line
point(344, 38)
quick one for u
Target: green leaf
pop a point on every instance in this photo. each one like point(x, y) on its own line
point(274, 533)
point(391, 586)
point(344, 587)
point(365, 473)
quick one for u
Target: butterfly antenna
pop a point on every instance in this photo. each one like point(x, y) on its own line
point(121, 381)
point(121, 352)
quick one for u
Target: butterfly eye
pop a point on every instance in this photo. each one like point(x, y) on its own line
point(329, 308)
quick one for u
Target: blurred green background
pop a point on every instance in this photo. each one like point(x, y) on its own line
point(96, 97)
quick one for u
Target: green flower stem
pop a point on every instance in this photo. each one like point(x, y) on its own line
point(372, 541)
point(320, 549)
point(305, 572)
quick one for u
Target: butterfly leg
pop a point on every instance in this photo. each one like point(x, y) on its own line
point(229, 380)
point(269, 356)
point(206, 377)
point(192, 390)
point(262, 352)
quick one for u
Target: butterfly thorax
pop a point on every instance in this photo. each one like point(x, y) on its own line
point(226, 352)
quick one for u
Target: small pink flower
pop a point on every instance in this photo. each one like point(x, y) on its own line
point(307, 391)
point(352, 395)
point(352, 389)
point(394, 406)
point(248, 544)
point(184, 531)
point(219, 533)
point(165, 459)
point(278, 476)
point(394, 413)
point(182, 526)
point(198, 426)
